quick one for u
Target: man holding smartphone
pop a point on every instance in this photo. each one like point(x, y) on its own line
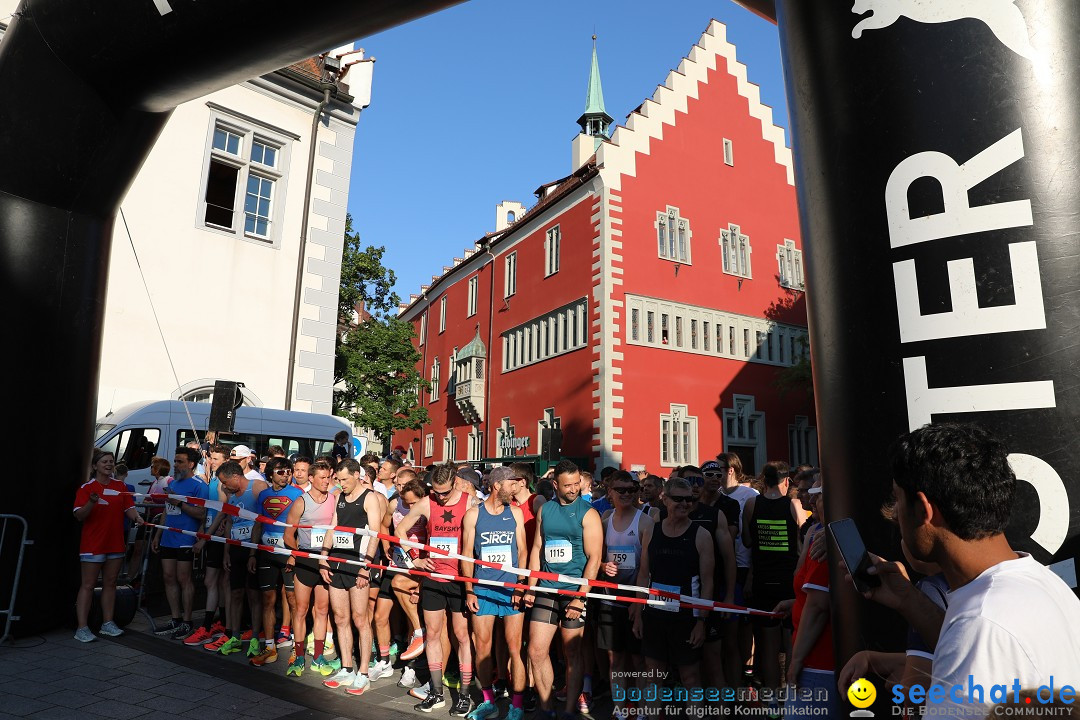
point(1010, 619)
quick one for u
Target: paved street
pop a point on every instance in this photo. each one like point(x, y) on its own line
point(142, 676)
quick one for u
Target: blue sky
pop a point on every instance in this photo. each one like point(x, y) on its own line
point(477, 104)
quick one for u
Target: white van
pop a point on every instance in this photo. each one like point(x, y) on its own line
point(138, 432)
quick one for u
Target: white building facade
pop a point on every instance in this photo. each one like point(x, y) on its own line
point(219, 233)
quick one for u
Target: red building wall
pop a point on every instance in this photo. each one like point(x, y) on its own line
point(686, 169)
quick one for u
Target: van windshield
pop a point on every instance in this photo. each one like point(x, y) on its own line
point(101, 429)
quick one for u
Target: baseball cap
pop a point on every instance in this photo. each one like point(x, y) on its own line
point(471, 475)
point(241, 451)
point(501, 474)
point(713, 466)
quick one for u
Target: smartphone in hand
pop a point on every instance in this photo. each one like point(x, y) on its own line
point(853, 550)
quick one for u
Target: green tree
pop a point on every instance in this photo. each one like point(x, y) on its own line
point(375, 364)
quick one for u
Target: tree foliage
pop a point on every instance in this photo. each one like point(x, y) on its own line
point(375, 365)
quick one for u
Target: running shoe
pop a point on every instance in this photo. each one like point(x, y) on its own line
point(584, 703)
point(532, 701)
point(267, 656)
point(421, 691)
point(232, 645)
point(182, 631)
point(451, 680)
point(500, 689)
point(324, 666)
point(217, 643)
point(560, 694)
point(246, 636)
point(217, 628)
point(341, 678)
point(167, 630)
point(463, 705)
point(296, 666)
point(85, 635)
point(360, 685)
point(110, 629)
point(381, 670)
point(284, 637)
point(515, 713)
point(408, 679)
point(431, 702)
point(329, 645)
point(394, 652)
point(484, 711)
point(416, 647)
point(201, 636)
point(253, 647)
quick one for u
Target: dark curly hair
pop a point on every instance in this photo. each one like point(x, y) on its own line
point(963, 470)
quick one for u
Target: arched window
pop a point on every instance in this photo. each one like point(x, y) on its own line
point(510, 217)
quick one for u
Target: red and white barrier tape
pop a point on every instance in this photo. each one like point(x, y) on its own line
point(234, 511)
point(423, 573)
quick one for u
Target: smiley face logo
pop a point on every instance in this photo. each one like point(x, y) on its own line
point(862, 693)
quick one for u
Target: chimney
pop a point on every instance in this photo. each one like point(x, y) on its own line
point(507, 213)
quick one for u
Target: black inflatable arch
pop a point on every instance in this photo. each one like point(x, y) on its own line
point(85, 89)
point(937, 179)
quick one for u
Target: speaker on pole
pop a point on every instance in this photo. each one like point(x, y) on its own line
point(227, 398)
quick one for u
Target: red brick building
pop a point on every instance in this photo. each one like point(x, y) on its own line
point(645, 304)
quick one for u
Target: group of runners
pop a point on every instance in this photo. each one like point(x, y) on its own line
point(359, 604)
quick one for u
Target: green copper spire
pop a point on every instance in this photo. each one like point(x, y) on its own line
point(595, 120)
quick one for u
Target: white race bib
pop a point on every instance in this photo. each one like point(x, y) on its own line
point(171, 509)
point(275, 540)
point(446, 544)
point(669, 605)
point(243, 532)
point(317, 537)
point(343, 540)
point(625, 556)
point(496, 553)
point(557, 552)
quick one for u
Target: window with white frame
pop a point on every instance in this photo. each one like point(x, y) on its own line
point(435, 380)
point(245, 176)
point(449, 446)
point(442, 314)
point(745, 426)
point(729, 153)
point(429, 445)
point(510, 275)
point(802, 442)
point(789, 262)
point(474, 289)
point(551, 251)
point(735, 251)
point(704, 331)
point(476, 444)
point(556, 333)
point(673, 235)
point(504, 431)
point(678, 437)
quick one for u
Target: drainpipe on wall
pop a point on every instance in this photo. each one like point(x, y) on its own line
point(304, 230)
point(491, 349)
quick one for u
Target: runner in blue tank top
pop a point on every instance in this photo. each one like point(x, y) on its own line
point(569, 540)
point(495, 531)
point(243, 492)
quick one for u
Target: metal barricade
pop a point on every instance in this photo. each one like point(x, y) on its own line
point(9, 613)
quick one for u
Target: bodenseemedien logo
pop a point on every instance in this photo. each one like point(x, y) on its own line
point(862, 694)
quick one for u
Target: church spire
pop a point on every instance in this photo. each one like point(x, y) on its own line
point(595, 120)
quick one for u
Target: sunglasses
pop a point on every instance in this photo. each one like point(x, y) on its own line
point(624, 490)
point(695, 480)
point(442, 493)
point(283, 472)
point(687, 499)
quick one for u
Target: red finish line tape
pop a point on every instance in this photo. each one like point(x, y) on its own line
point(234, 511)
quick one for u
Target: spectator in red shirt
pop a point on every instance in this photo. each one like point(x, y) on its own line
point(102, 546)
point(811, 668)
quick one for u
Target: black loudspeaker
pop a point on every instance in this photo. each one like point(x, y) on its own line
point(550, 443)
point(227, 398)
